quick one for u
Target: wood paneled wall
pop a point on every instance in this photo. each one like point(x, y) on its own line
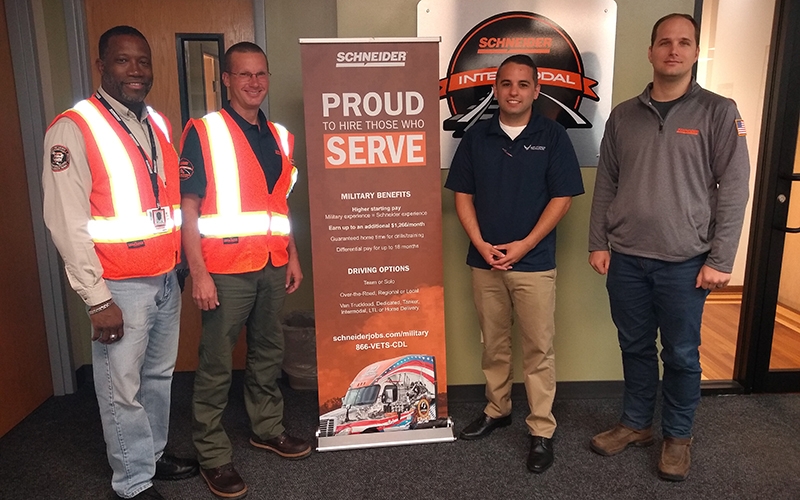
point(159, 21)
point(25, 378)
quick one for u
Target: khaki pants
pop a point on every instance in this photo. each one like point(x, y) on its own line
point(500, 296)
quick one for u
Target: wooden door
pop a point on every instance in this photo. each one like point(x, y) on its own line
point(211, 83)
point(159, 21)
point(25, 378)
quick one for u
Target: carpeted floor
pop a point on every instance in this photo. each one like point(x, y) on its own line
point(746, 447)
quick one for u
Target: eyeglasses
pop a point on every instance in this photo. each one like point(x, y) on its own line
point(246, 75)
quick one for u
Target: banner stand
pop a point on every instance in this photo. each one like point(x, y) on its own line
point(374, 183)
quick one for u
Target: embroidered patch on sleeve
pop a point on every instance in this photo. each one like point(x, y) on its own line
point(740, 128)
point(59, 158)
point(186, 169)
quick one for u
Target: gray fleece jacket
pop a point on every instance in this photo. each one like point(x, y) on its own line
point(672, 188)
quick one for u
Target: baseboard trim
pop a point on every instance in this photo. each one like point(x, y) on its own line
point(595, 389)
point(564, 390)
point(471, 393)
point(721, 387)
point(83, 375)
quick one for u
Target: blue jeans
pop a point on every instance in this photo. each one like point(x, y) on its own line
point(133, 378)
point(648, 295)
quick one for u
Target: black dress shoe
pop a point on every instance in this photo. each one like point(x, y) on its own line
point(284, 445)
point(150, 493)
point(540, 457)
point(483, 426)
point(169, 468)
point(224, 481)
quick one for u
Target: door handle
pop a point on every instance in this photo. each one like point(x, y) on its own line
point(782, 198)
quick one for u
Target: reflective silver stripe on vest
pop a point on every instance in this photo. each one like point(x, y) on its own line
point(119, 230)
point(230, 220)
point(241, 224)
point(294, 181)
point(283, 137)
point(280, 225)
point(226, 178)
point(159, 121)
point(129, 222)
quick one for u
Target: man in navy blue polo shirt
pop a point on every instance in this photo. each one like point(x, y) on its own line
point(514, 177)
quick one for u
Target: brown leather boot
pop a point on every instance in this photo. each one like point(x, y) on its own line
point(675, 459)
point(284, 445)
point(225, 482)
point(618, 438)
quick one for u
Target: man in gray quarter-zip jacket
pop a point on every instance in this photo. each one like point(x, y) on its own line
point(669, 201)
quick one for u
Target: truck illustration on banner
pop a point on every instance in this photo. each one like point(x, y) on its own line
point(390, 395)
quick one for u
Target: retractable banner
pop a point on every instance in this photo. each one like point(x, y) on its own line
point(372, 139)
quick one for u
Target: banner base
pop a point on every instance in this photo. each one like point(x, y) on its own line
point(380, 439)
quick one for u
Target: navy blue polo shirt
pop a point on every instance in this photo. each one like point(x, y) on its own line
point(512, 181)
point(261, 140)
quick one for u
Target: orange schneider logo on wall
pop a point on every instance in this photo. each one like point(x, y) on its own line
point(572, 43)
point(471, 71)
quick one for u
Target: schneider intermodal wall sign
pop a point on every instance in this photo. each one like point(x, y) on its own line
point(571, 42)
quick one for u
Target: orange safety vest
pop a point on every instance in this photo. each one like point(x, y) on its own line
point(125, 238)
point(242, 225)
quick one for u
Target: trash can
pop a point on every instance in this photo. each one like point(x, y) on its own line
point(300, 350)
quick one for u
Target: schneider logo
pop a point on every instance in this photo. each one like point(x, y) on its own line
point(467, 86)
point(516, 45)
point(370, 59)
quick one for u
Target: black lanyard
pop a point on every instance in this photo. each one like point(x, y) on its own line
point(152, 166)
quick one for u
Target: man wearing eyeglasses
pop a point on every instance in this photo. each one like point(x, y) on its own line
point(236, 175)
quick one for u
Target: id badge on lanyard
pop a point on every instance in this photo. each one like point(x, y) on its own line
point(159, 217)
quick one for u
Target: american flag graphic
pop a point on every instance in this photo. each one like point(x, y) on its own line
point(740, 128)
